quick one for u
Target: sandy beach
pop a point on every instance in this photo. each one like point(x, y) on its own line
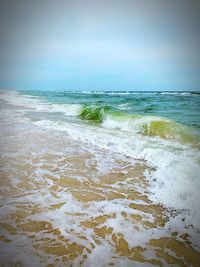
point(67, 202)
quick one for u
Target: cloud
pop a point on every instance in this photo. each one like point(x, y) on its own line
point(51, 40)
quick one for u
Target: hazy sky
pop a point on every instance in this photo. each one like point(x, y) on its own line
point(128, 44)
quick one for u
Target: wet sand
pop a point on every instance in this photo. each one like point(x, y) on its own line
point(68, 203)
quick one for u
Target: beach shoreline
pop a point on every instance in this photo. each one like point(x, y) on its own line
point(67, 202)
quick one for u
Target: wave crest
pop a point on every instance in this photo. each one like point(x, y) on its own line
point(151, 126)
point(93, 112)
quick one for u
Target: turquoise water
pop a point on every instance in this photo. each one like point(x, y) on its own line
point(182, 107)
point(171, 115)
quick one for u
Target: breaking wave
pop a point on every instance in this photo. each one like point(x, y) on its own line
point(145, 125)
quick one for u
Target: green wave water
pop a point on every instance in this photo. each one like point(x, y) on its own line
point(93, 112)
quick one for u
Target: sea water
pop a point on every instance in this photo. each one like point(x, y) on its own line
point(143, 141)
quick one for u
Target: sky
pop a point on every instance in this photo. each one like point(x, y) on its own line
point(100, 45)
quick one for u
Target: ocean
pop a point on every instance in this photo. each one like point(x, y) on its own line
point(100, 178)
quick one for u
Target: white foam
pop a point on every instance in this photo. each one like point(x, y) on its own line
point(131, 124)
point(103, 255)
point(125, 106)
point(37, 104)
point(67, 109)
point(169, 93)
point(175, 182)
point(172, 160)
point(27, 101)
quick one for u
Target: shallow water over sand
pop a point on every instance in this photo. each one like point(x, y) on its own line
point(67, 202)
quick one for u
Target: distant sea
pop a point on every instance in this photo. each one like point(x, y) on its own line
point(158, 129)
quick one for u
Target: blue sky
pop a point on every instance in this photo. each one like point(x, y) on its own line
point(100, 45)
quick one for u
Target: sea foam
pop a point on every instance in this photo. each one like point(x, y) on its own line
point(174, 182)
